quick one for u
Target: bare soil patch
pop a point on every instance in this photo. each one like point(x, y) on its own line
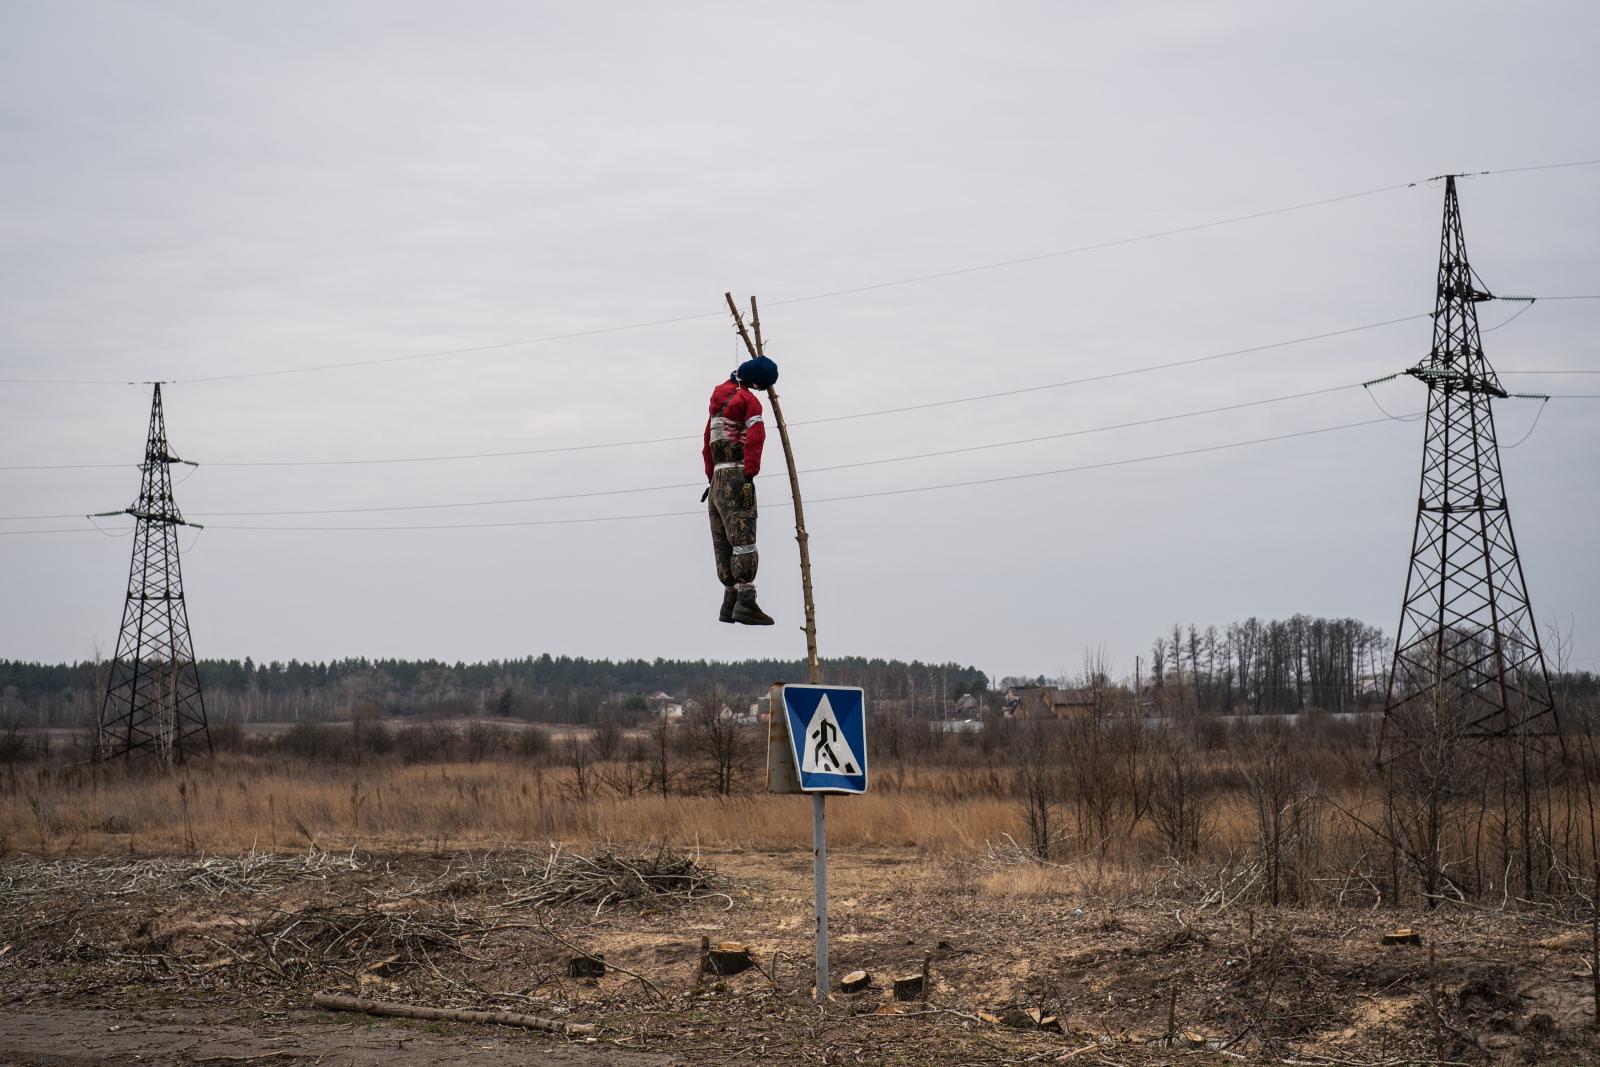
point(215, 960)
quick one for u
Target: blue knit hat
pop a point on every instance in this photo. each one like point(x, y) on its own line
point(759, 373)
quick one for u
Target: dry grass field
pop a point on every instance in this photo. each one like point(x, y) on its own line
point(235, 804)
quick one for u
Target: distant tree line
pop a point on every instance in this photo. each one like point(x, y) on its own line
point(543, 688)
point(1274, 666)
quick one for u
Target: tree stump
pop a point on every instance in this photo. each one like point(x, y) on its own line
point(1403, 936)
point(910, 987)
point(855, 981)
point(586, 967)
point(730, 957)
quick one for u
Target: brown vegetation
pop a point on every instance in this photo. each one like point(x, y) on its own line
point(1270, 814)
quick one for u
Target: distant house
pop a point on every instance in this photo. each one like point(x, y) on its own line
point(658, 700)
point(968, 707)
point(1074, 703)
point(1040, 702)
point(1028, 702)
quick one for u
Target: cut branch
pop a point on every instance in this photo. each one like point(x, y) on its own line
point(334, 1002)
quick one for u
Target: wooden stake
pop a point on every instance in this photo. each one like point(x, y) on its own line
point(738, 320)
point(801, 536)
point(803, 539)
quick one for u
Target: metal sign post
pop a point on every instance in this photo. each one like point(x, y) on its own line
point(818, 745)
point(819, 875)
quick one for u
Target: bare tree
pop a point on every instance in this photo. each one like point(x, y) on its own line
point(630, 774)
point(607, 738)
point(662, 755)
point(722, 745)
point(1096, 678)
point(95, 671)
point(1036, 781)
point(1103, 764)
point(1282, 795)
point(580, 761)
point(1182, 797)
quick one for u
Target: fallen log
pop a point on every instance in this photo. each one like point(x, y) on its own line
point(335, 1002)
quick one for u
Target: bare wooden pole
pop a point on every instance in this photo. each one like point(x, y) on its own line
point(754, 347)
point(738, 320)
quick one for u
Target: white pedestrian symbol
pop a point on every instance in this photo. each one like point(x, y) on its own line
point(826, 750)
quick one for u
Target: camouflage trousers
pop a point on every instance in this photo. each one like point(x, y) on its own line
point(733, 526)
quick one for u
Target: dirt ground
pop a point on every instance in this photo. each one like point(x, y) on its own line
point(215, 960)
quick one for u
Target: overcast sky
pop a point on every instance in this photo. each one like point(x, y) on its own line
point(190, 190)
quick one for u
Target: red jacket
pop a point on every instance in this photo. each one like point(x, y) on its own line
point(735, 417)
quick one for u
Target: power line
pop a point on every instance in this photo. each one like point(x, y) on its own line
point(557, 449)
point(992, 480)
point(1154, 420)
point(1098, 246)
point(967, 483)
point(547, 339)
point(1537, 415)
point(1543, 166)
point(810, 470)
point(825, 295)
point(1122, 373)
point(1514, 316)
point(66, 530)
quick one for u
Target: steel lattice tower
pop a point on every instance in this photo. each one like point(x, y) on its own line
point(153, 700)
point(1467, 661)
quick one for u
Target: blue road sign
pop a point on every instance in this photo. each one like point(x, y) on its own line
point(828, 731)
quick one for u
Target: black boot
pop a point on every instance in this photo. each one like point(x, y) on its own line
point(748, 611)
point(729, 595)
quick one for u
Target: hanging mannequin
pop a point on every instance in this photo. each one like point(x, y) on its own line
point(734, 435)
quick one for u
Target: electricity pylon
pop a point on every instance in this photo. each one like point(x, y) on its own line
point(152, 699)
point(1467, 661)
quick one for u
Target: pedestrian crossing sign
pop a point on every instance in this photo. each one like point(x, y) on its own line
point(828, 735)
